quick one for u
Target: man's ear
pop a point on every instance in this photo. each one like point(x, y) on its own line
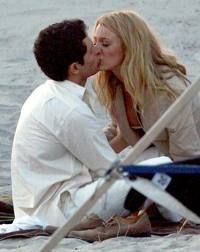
point(73, 68)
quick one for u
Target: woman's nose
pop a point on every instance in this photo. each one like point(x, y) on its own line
point(98, 49)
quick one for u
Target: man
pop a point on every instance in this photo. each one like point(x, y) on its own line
point(58, 146)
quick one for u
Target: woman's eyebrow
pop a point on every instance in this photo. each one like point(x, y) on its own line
point(101, 38)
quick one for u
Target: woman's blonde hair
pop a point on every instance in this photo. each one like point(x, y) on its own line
point(146, 65)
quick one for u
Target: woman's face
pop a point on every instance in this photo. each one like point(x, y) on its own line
point(111, 51)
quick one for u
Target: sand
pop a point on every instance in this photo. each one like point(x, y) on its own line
point(177, 23)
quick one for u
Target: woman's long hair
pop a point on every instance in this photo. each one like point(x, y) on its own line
point(146, 66)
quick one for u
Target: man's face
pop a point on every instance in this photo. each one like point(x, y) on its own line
point(91, 59)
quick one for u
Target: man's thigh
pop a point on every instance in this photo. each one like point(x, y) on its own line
point(112, 203)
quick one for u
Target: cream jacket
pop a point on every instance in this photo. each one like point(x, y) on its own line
point(181, 139)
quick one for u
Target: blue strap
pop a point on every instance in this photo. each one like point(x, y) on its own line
point(164, 168)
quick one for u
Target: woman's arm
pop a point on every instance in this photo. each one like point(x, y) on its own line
point(183, 132)
point(125, 135)
point(184, 139)
point(118, 143)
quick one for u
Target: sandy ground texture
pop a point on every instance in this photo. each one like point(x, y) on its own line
point(171, 243)
point(177, 23)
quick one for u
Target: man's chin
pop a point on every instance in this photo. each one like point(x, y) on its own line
point(94, 72)
point(102, 68)
point(97, 69)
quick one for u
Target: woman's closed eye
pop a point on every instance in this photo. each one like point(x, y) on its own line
point(105, 44)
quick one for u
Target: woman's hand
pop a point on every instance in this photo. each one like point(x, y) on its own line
point(110, 131)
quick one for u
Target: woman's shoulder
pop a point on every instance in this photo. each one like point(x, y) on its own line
point(176, 82)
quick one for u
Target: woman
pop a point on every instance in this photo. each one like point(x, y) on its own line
point(138, 81)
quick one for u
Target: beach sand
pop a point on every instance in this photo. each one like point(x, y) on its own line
point(177, 23)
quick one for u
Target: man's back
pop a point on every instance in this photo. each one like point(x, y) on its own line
point(52, 147)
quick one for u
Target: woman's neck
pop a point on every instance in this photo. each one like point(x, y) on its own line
point(117, 74)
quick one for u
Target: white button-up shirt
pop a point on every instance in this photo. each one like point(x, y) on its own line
point(58, 146)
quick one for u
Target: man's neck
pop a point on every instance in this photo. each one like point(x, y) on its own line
point(77, 80)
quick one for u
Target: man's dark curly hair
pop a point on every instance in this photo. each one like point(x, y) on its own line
point(58, 46)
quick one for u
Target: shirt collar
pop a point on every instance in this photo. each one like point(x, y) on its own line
point(71, 87)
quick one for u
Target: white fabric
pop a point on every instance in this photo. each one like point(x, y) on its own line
point(167, 214)
point(111, 203)
point(97, 108)
point(146, 156)
point(156, 161)
point(56, 134)
point(22, 223)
